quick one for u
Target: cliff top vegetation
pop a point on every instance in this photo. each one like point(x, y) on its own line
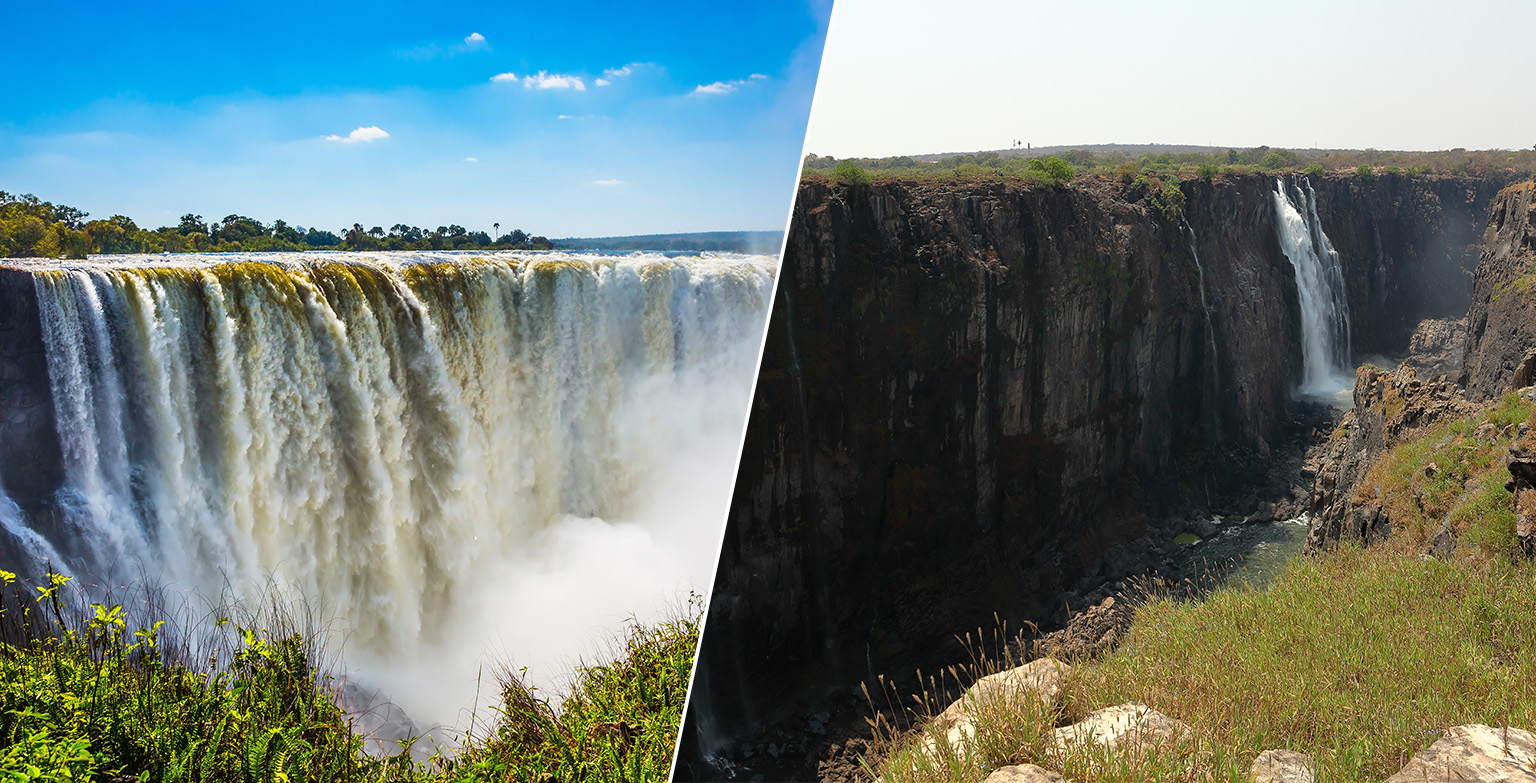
point(1057, 170)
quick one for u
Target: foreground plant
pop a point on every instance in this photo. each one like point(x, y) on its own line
point(82, 699)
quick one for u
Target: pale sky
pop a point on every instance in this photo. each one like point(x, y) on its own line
point(905, 77)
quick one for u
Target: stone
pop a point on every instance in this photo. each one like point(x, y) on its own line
point(1038, 681)
point(1124, 725)
point(1283, 766)
point(1474, 752)
point(1023, 773)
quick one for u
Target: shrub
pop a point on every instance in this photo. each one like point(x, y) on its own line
point(1315, 170)
point(1207, 171)
point(1053, 170)
point(850, 174)
point(1169, 202)
point(1364, 171)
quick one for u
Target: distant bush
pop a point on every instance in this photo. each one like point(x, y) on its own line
point(1364, 171)
point(1169, 202)
point(1207, 171)
point(1128, 172)
point(1315, 170)
point(1053, 170)
point(1278, 159)
point(1393, 170)
point(850, 174)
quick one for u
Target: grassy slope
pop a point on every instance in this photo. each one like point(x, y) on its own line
point(82, 699)
point(1357, 657)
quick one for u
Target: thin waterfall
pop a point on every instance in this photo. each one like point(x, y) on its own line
point(1213, 360)
point(381, 433)
point(1320, 288)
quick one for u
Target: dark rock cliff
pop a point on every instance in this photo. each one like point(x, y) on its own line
point(975, 397)
point(1502, 320)
point(26, 405)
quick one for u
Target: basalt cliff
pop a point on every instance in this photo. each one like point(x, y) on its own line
point(977, 400)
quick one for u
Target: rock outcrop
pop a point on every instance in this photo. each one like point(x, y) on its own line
point(1474, 752)
point(1388, 408)
point(1501, 344)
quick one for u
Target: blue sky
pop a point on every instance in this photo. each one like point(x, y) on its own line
point(564, 119)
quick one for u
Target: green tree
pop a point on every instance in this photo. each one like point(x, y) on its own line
point(850, 174)
point(1053, 170)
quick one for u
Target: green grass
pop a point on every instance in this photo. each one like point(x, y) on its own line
point(84, 699)
point(1360, 658)
point(619, 723)
point(1451, 473)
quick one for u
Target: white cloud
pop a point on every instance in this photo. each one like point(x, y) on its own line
point(369, 133)
point(601, 82)
point(544, 80)
point(726, 88)
point(553, 81)
point(474, 40)
point(614, 73)
point(471, 160)
point(607, 182)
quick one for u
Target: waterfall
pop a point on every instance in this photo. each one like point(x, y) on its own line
point(1320, 289)
point(1213, 361)
point(388, 434)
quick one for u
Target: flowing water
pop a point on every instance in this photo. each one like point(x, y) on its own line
point(1325, 351)
point(1240, 552)
point(455, 455)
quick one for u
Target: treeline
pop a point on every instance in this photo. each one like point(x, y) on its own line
point(1205, 164)
point(32, 228)
point(718, 241)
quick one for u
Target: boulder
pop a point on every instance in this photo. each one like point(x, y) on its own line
point(1125, 725)
point(1475, 752)
point(1038, 681)
point(1283, 766)
point(1024, 773)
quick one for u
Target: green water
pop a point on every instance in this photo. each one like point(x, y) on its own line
point(1254, 554)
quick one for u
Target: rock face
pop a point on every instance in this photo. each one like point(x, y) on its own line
point(1119, 727)
point(1389, 407)
point(1283, 766)
point(1474, 752)
point(1502, 318)
point(974, 394)
point(26, 403)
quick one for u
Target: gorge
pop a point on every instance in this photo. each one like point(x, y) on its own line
point(980, 400)
point(452, 454)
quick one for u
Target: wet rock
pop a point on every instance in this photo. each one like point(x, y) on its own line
point(1283, 766)
point(1024, 773)
point(1475, 752)
point(1125, 725)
